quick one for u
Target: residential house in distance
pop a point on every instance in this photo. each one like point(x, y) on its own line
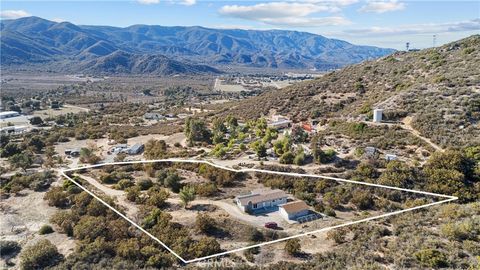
point(259, 200)
point(279, 122)
point(293, 210)
point(9, 114)
point(390, 157)
point(153, 116)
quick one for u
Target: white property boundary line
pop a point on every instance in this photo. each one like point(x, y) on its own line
point(63, 173)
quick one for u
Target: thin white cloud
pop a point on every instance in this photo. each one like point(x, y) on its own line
point(148, 2)
point(432, 28)
point(180, 2)
point(382, 6)
point(308, 22)
point(14, 14)
point(188, 2)
point(297, 14)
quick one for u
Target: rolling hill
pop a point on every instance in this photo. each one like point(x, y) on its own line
point(35, 40)
point(438, 88)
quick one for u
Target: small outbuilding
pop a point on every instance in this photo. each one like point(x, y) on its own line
point(377, 115)
point(294, 210)
point(135, 149)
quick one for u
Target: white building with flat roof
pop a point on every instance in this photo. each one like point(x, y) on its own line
point(9, 114)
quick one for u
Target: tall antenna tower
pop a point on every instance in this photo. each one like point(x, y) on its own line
point(434, 40)
point(407, 45)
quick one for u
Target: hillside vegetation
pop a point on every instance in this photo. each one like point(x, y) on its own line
point(438, 88)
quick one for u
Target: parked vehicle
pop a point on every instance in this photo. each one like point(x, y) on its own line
point(271, 225)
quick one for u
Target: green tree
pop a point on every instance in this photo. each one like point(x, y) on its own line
point(260, 149)
point(287, 158)
point(299, 158)
point(196, 131)
point(172, 181)
point(36, 121)
point(21, 160)
point(187, 195)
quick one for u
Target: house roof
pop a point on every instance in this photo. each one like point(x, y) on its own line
point(258, 196)
point(294, 207)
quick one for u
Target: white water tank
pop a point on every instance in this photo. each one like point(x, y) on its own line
point(377, 115)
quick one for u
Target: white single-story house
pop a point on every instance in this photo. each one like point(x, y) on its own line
point(9, 114)
point(294, 210)
point(261, 199)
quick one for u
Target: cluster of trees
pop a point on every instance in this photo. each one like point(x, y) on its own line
point(107, 239)
point(87, 155)
point(21, 154)
point(221, 178)
point(155, 149)
point(197, 131)
point(18, 182)
point(320, 156)
point(451, 172)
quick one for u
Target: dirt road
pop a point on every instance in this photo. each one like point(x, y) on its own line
point(131, 209)
point(407, 121)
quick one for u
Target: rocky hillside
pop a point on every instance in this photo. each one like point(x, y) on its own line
point(120, 62)
point(32, 40)
point(438, 88)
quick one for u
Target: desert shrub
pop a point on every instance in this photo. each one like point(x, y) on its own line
point(337, 235)
point(467, 229)
point(157, 197)
point(255, 235)
point(133, 194)
point(431, 258)
point(206, 246)
point(292, 246)
point(155, 149)
point(39, 256)
point(57, 197)
point(172, 181)
point(206, 189)
point(144, 184)
point(330, 212)
point(205, 224)
point(65, 220)
point(88, 228)
point(123, 184)
point(45, 229)
point(363, 200)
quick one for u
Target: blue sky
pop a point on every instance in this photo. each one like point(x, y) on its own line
point(385, 23)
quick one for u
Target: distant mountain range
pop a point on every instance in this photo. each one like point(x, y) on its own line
point(149, 49)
